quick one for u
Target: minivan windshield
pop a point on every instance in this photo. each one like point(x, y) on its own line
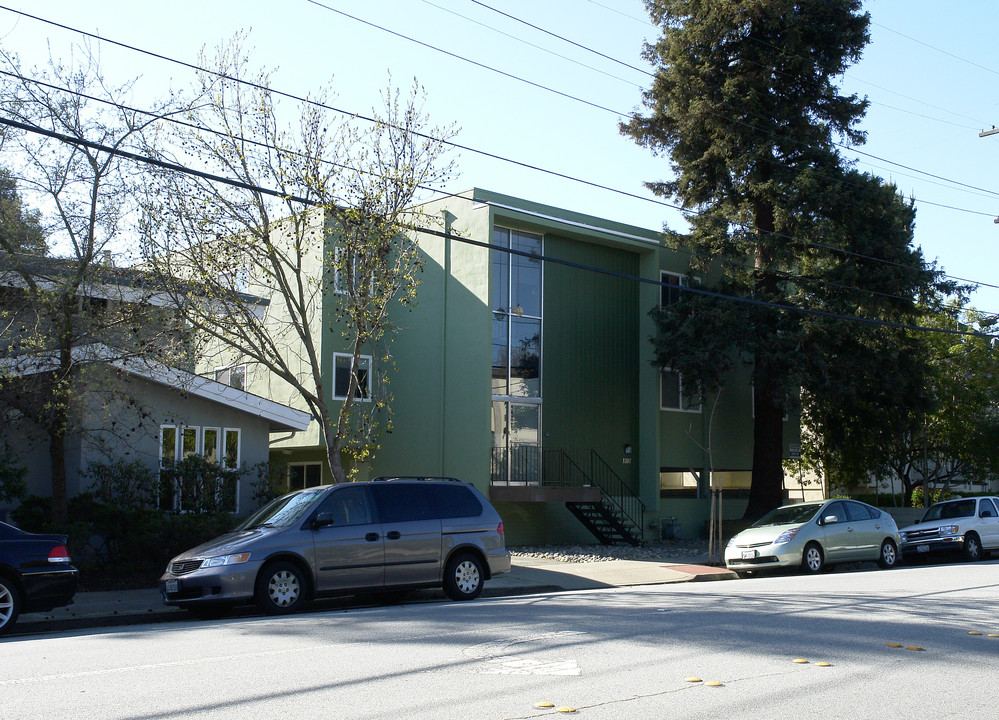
point(283, 511)
point(790, 515)
point(948, 510)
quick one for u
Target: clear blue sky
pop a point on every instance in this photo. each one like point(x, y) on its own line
point(930, 73)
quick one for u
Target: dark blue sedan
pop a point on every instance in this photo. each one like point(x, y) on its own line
point(35, 574)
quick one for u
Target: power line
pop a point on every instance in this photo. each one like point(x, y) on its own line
point(173, 119)
point(530, 44)
point(468, 60)
point(174, 167)
point(483, 153)
point(563, 39)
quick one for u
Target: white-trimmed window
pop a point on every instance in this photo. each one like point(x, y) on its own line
point(232, 452)
point(342, 370)
point(669, 293)
point(675, 395)
point(233, 376)
point(211, 443)
point(343, 275)
point(168, 444)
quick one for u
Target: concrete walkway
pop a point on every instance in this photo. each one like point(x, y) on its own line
point(527, 576)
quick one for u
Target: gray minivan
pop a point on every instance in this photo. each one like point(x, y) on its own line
point(386, 534)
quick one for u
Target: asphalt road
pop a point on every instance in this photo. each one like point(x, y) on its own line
point(907, 643)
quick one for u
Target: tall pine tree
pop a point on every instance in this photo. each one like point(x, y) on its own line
point(744, 104)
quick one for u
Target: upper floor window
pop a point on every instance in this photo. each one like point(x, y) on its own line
point(669, 293)
point(516, 305)
point(343, 370)
point(348, 272)
point(234, 376)
point(674, 394)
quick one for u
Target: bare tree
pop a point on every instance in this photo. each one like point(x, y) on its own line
point(304, 243)
point(64, 132)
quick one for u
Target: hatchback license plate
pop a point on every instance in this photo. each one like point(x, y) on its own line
point(171, 586)
point(748, 554)
point(922, 548)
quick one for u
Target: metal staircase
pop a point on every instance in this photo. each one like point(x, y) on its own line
point(607, 524)
point(618, 514)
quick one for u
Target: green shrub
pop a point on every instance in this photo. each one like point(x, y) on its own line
point(197, 485)
point(127, 485)
point(935, 496)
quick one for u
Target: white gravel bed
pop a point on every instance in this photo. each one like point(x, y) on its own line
point(665, 550)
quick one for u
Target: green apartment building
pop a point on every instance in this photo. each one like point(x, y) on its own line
point(526, 369)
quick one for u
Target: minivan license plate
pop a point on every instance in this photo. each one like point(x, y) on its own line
point(171, 586)
point(922, 548)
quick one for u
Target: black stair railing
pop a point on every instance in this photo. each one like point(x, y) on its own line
point(561, 467)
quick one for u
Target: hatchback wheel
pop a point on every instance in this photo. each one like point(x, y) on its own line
point(10, 604)
point(812, 559)
point(280, 588)
point(972, 548)
point(463, 577)
point(889, 555)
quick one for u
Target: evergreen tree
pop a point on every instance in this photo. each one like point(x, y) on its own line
point(20, 228)
point(744, 103)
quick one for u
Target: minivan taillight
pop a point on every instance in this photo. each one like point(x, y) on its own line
point(499, 528)
point(59, 554)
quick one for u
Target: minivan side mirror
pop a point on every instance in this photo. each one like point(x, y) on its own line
point(323, 519)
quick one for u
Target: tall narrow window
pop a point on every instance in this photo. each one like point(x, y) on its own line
point(232, 449)
point(516, 300)
point(210, 444)
point(168, 445)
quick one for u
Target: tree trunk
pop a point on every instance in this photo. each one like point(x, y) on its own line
point(57, 459)
point(767, 489)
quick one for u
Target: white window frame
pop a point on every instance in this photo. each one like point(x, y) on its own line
point(227, 370)
point(225, 446)
point(176, 439)
point(696, 409)
point(196, 430)
point(361, 359)
point(219, 445)
point(339, 287)
point(681, 282)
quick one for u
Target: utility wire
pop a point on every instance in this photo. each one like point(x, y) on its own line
point(459, 146)
point(530, 44)
point(201, 128)
point(68, 139)
point(564, 39)
point(505, 74)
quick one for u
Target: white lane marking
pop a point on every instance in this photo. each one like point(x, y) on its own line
point(500, 661)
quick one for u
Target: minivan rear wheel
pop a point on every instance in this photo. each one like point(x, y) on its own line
point(281, 588)
point(463, 577)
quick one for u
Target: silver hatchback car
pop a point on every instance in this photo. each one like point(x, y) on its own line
point(385, 534)
point(815, 535)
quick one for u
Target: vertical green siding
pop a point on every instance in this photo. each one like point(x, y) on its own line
point(590, 353)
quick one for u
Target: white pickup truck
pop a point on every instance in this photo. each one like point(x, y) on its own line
point(969, 525)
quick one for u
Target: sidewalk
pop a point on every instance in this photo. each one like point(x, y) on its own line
point(527, 576)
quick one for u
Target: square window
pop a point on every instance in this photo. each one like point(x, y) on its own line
point(673, 395)
point(669, 293)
